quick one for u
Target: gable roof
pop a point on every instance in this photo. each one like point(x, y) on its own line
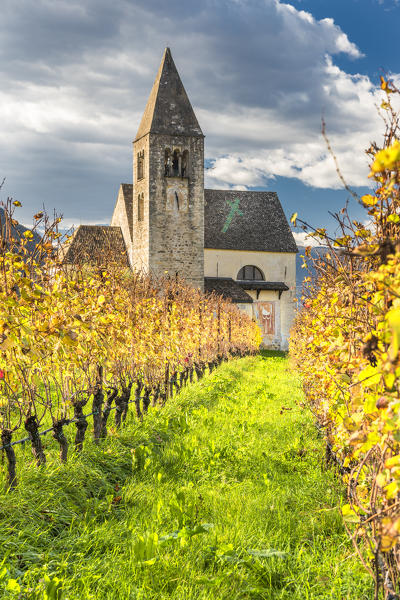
point(228, 288)
point(97, 244)
point(236, 220)
point(168, 110)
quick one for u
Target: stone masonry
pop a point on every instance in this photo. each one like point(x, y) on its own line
point(177, 234)
point(168, 238)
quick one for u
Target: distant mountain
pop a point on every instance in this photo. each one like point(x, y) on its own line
point(20, 230)
point(309, 272)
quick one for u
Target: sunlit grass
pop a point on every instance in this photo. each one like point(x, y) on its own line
point(225, 497)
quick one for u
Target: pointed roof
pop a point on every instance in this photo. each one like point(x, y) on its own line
point(168, 110)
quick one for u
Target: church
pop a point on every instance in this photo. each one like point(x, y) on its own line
point(236, 243)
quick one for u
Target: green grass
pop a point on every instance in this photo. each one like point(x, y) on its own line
point(225, 497)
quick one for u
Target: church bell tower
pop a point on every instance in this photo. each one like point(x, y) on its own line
point(168, 183)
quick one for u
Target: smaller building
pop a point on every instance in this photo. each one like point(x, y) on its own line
point(250, 257)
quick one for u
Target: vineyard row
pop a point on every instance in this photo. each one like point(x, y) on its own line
point(346, 343)
point(93, 332)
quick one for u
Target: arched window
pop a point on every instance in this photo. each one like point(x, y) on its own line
point(176, 201)
point(140, 207)
point(185, 164)
point(250, 273)
point(167, 163)
point(140, 164)
point(176, 163)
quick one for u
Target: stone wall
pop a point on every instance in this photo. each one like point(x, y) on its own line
point(176, 238)
point(120, 219)
point(140, 229)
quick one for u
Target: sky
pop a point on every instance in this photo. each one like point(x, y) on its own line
point(261, 74)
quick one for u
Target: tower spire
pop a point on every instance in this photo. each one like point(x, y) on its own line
point(168, 110)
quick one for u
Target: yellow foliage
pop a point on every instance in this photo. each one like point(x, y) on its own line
point(346, 344)
point(388, 158)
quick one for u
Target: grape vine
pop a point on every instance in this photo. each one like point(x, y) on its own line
point(346, 343)
point(81, 339)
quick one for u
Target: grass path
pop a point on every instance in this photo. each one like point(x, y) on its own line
point(223, 498)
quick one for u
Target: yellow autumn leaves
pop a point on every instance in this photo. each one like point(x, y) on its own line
point(346, 343)
point(59, 323)
point(386, 159)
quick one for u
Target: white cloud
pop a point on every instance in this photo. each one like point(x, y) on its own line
point(302, 239)
point(341, 40)
point(233, 171)
point(260, 74)
point(354, 121)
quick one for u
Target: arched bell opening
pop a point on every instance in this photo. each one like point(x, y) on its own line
point(167, 162)
point(176, 163)
point(185, 164)
point(140, 164)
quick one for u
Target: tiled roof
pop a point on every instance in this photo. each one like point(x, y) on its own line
point(263, 285)
point(97, 244)
point(237, 220)
point(228, 288)
point(168, 110)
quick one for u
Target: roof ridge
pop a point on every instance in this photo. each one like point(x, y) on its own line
point(242, 191)
point(97, 226)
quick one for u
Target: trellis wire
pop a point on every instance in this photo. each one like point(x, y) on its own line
point(66, 422)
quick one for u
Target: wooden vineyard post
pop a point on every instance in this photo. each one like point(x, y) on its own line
point(81, 424)
point(111, 395)
point(126, 393)
point(138, 393)
point(6, 437)
point(59, 435)
point(32, 427)
point(98, 398)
